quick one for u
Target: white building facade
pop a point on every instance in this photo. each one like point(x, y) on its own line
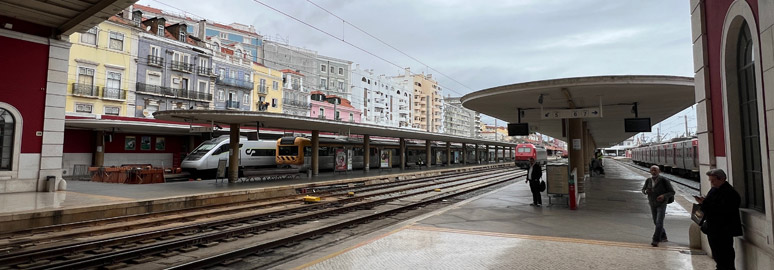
point(383, 100)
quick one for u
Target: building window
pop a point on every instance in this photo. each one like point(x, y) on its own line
point(216, 47)
point(245, 98)
point(110, 110)
point(323, 68)
point(323, 84)
point(161, 30)
point(83, 107)
point(748, 113)
point(341, 86)
point(331, 69)
point(182, 36)
point(223, 35)
point(116, 41)
point(351, 117)
point(341, 71)
point(113, 85)
point(203, 87)
point(222, 73)
point(238, 54)
point(90, 37)
point(337, 115)
point(275, 85)
point(221, 95)
point(322, 113)
point(274, 103)
point(86, 82)
point(7, 133)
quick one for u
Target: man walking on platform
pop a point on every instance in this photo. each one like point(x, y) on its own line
point(660, 193)
point(534, 173)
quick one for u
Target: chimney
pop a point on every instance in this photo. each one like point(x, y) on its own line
point(202, 26)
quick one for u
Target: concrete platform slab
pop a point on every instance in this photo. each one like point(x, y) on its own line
point(611, 230)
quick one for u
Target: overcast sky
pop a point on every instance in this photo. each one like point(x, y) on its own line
point(480, 44)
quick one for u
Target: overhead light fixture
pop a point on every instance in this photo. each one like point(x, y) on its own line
point(540, 99)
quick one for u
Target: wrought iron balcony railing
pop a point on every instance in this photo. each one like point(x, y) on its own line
point(182, 66)
point(113, 93)
point(232, 104)
point(154, 89)
point(263, 89)
point(204, 71)
point(297, 103)
point(235, 82)
point(85, 90)
point(155, 60)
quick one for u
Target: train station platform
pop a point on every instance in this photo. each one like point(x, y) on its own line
point(85, 200)
point(500, 230)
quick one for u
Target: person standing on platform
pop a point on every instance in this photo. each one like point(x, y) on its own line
point(660, 193)
point(534, 173)
point(721, 218)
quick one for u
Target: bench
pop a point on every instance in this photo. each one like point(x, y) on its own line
point(269, 174)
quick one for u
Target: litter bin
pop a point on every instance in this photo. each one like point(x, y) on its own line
point(51, 183)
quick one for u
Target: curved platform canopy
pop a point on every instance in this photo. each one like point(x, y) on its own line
point(657, 97)
point(292, 122)
point(64, 17)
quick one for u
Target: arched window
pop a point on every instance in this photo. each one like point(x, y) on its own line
point(748, 116)
point(7, 130)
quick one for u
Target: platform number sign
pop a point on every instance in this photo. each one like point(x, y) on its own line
point(571, 113)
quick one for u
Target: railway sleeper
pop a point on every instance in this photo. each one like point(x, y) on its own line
point(169, 254)
point(73, 256)
point(230, 261)
point(33, 264)
point(101, 250)
point(210, 244)
point(188, 249)
point(116, 266)
point(142, 260)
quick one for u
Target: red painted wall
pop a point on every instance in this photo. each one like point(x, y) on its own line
point(715, 15)
point(23, 71)
point(79, 141)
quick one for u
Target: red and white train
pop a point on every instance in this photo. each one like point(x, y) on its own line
point(676, 157)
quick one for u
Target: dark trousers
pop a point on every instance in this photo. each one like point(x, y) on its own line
point(534, 186)
point(722, 246)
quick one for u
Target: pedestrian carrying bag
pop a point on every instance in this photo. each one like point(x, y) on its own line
point(542, 185)
point(697, 215)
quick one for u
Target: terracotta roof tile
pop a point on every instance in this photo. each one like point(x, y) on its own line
point(291, 71)
point(147, 9)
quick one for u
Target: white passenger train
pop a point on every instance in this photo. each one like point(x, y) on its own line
point(203, 161)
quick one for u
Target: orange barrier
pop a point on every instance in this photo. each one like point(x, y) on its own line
point(127, 175)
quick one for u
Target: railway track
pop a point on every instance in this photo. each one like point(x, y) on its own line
point(693, 186)
point(133, 247)
point(37, 236)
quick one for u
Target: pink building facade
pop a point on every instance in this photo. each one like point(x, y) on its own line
point(323, 107)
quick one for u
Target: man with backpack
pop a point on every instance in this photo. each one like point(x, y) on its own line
point(660, 193)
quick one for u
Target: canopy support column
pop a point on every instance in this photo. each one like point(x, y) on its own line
point(366, 153)
point(315, 152)
point(233, 155)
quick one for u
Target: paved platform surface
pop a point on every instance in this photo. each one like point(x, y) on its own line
point(81, 194)
point(611, 230)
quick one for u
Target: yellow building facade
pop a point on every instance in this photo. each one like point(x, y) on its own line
point(268, 89)
point(427, 103)
point(102, 69)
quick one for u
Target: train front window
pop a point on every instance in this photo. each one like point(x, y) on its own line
point(525, 150)
point(200, 151)
point(288, 150)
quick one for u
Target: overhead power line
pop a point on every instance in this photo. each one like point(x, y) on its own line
point(388, 45)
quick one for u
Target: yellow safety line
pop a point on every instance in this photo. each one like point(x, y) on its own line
point(548, 238)
point(348, 249)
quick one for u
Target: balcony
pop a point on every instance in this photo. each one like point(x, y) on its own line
point(263, 89)
point(234, 82)
point(232, 104)
point(191, 94)
point(204, 71)
point(297, 103)
point(154, 89)
point(155, 61)
point(113, 93)
point(182, 66)
point(86, 90)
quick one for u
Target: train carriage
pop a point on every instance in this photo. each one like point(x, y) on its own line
point(679, 157)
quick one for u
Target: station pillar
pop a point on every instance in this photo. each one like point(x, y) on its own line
point(366, 153)
point(233, 154)
point(99, 152)
point(315, 152)
point(448, 154)
point(477, 160)
point(428, 153)
point(576, 147)
point(505, 158)
point(402, 154)
point(496, 154)
point(464, 154)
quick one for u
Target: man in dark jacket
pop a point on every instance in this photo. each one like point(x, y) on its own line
point(721, 215)
point(534, 173)
point(659, 191)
